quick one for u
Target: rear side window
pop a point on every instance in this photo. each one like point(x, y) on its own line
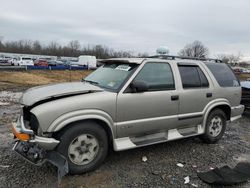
point(192, 77)
point(223, 74)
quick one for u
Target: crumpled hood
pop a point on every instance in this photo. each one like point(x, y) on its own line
point(40, 93)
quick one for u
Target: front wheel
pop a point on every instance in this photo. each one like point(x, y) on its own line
point(215, 126)
point(85, 146)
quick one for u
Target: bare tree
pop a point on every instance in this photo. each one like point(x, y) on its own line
point(52, 48)
point(1, 43)
point(230, 58)
point(143, 55)
point(74, 47)
point(37, 47)
point(195, 49)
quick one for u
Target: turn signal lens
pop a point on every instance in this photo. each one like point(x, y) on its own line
point(20, 136)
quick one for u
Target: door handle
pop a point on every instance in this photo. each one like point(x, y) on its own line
point(175, 97)
point(209, 95)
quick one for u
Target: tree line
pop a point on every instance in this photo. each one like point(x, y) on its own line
point(72, 49)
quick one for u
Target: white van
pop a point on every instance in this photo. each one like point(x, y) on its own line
point(86, 60)
point(23, 61)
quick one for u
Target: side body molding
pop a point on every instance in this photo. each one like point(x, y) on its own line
point(78, 115)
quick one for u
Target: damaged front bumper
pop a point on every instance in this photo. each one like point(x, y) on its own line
point(36, 149)
point(30, 146)
point(22, 133)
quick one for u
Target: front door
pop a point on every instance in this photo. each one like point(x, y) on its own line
point(152, 111)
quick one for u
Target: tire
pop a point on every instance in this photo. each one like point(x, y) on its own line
point(87, 140)
point(215, 126)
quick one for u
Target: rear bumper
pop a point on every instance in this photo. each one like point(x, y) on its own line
point(236, 112)
point(22, 133)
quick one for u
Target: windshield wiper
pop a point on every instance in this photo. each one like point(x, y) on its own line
point(91, 82)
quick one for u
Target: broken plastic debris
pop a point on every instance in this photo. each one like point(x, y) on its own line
point(4, 166)
point(194, 185)
point(4, 103)
point(156, 172)
point(180, 165)
point(144, 158)
point(226, 175)
point(187, 180)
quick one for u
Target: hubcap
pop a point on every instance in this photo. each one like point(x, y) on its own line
point(215, 126)
point(83, 149)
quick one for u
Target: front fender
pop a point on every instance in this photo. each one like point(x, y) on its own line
point(78, 115)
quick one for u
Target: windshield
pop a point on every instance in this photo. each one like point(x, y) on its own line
point(111, 76)
point(26, 58)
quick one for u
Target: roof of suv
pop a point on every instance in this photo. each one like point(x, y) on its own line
point(158, 57)
point(124, 60)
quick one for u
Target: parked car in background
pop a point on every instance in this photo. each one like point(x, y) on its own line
point(55, 63)
point(23, 61)
point(245, 99)
point(86, 61)
point(4, 62)
point(12, 61)
point(52, 63)
point(127, 103)
point(41, 62)
point(68, 63)
point(240, 70)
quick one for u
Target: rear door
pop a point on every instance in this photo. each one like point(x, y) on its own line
point(152, 111)
point(195, 94)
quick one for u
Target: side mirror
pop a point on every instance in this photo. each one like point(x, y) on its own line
point(139, 86)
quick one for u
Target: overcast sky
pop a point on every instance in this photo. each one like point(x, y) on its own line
point(134, 25)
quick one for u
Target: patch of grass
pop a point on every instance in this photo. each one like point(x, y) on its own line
point(243, 76)
point(41, 77)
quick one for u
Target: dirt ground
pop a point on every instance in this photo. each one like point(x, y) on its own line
point(126, 168)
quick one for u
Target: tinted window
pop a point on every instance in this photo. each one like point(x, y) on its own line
point(204, 82)
point(223, 74)
point(192, 77)
point(158, 76)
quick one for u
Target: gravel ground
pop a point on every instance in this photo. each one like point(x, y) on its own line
point(126, 168)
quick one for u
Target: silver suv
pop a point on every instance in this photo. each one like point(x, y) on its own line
point(125, 104)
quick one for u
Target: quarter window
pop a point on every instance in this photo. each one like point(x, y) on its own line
point(158, 76)
point(192, 77)
point(223, 74)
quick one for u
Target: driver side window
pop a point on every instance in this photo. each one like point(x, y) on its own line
point(158, 76)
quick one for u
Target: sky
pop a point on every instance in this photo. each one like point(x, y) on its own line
point(132, 25)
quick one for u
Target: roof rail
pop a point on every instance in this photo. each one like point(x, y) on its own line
point(172, 57)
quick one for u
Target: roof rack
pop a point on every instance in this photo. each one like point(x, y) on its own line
point(172, 57)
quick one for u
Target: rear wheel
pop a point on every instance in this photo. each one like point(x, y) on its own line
point(215, 126)
point(84, 145)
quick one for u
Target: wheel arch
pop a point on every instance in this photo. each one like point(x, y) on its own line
point(223, 105)
point(102, 118)
point(100, 122)
point(225, 108)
